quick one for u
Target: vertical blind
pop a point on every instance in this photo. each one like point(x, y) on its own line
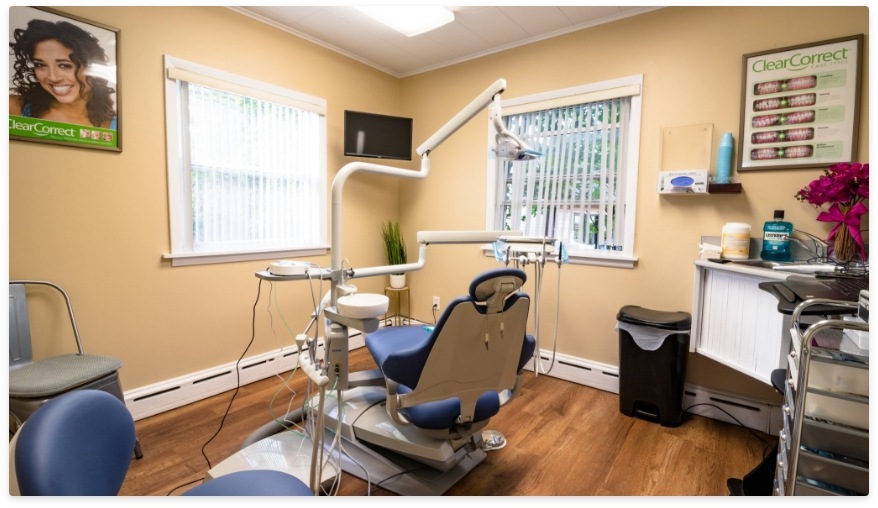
point(254, 172)
point(574, 191)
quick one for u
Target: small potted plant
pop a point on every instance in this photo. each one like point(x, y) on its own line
point(394, 246)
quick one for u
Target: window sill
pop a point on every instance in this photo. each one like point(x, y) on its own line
point(616, 261)
point(207, 258)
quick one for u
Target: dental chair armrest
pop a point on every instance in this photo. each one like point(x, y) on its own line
point(392, 405)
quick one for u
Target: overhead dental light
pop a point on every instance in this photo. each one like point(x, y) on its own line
point(410, 20)
point(507, 145)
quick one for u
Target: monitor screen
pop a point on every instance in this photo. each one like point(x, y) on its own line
point(377, 136)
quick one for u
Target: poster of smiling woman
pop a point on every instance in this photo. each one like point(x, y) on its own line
point(63, 86)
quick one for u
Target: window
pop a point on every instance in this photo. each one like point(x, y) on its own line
point(246, 167)
point(582, 189)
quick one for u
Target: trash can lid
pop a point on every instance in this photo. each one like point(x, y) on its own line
point(636, 315)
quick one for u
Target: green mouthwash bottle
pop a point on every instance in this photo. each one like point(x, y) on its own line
point(776, 239)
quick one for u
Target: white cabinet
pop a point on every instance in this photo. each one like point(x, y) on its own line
point(735, 322)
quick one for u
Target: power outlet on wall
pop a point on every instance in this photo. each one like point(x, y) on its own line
point(435, 302)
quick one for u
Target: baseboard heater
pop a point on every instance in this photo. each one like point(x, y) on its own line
point(160, 397)
point(173, 393)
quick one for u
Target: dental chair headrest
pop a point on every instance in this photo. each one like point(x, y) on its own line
point(493, 287)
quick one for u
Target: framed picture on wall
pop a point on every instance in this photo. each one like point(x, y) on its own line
point(63, 80)
point(800, 105)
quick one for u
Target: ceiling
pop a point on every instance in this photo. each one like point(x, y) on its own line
point(476, 31)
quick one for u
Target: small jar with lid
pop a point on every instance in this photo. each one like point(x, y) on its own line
point(736, 241)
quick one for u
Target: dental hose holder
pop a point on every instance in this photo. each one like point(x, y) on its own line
point(536, 251)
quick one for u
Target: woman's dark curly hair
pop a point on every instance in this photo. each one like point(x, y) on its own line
point(84, 50)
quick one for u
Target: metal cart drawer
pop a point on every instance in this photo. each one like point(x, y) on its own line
point(805, 488)
point(833, 472)
point(830, 372)
point(840, 440)
point(839, 408)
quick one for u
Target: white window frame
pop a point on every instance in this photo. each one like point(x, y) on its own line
point(630, 86)
point(178, 71)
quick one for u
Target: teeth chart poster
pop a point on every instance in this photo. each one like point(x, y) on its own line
point(800, 105)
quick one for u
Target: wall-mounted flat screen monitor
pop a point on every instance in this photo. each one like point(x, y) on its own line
point(377, 136)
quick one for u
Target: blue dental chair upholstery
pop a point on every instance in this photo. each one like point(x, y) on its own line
point(79, 444)
point(449, 381)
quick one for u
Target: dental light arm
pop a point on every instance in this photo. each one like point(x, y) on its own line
point(425, 238)
point(338, 187)
point(489, 97)
point(465, 115)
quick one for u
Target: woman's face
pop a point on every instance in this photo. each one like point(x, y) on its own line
point(57, 73)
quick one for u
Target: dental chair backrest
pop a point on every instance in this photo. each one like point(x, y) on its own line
point(476, 347)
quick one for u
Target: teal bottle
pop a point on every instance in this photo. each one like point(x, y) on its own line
point(724, 160)
point(776, 239)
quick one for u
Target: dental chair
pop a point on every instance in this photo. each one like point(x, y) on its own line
point(444, 383)
point(448, 381)
point(414, 425)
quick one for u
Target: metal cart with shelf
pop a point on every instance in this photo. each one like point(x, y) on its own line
point(824, 443)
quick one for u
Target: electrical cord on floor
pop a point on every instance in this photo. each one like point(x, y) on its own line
point(234, 394)
point(766, 443)
point(171, 492)
point(237, 377)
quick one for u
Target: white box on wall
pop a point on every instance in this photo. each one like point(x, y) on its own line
point(683, 182)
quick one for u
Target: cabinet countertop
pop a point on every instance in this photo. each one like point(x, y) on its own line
point(744, 269)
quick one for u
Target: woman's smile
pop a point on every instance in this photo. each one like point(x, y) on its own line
point(56, 72)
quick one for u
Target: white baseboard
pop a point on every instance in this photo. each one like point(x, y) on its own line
point(157, 398)
point(173, 393)
point(576, 370)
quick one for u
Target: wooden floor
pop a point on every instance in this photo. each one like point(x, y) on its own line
point(564, 439)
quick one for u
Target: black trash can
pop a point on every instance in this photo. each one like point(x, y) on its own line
point(653, 349)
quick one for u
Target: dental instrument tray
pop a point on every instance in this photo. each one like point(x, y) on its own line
point(527, 239)
point(311, 273)
point(523, 244)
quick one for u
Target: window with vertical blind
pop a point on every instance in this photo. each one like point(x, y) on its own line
point(582, 189)
point(246, 167)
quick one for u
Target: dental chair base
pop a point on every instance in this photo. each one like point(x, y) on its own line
point(397, 458)
point(377, 450)
point(286, 451)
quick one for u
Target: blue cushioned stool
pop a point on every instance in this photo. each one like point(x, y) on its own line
point(252, 483)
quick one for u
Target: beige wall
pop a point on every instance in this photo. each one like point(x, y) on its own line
point(97, 222)
point(690, 59)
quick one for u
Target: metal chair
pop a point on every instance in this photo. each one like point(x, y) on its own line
point(34, 382)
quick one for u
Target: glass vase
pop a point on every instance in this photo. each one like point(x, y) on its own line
point(844, 248)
